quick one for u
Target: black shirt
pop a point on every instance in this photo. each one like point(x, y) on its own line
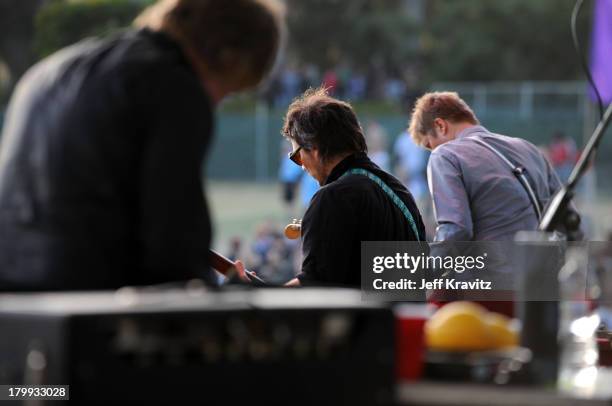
point(346, 211)
point(101, 166)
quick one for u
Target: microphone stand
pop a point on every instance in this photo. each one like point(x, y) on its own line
point(541, 318)
point(557, 212)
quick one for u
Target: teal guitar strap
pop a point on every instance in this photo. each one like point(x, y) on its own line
point(394, 198)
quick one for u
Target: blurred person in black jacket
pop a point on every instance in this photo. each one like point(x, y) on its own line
point(356, 201)
point(104, 141)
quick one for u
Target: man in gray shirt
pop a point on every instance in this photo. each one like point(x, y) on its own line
point(476, 196)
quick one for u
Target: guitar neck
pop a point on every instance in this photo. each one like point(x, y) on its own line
point(220, 263)
point(223, 265)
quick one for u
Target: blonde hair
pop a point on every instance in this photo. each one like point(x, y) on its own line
point(445, 105)
point(238, 40)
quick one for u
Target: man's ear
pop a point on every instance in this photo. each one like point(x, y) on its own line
point(439, 124)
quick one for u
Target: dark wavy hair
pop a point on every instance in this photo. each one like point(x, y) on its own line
point(315, 119)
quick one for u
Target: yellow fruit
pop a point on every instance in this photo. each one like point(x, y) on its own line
point(458, 326)
point(502, 331)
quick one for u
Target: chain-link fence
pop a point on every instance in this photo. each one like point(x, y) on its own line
point(248, 145)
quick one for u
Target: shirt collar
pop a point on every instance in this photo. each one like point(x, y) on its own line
point(358, 159)
point(466, 132)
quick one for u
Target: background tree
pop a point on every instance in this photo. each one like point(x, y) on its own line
point(329, 32)
point(485, 40)
point(61, 23)
point(32, 29)
point(455, 40)
point(16, 36)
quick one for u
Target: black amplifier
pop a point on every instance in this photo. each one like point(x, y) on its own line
point(279, 346)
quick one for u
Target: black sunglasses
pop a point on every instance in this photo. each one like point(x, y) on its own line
point(295, 158)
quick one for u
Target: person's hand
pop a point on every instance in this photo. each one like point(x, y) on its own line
point(242, 274)
point(293, 283)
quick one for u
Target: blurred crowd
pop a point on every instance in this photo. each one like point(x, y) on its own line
point(343, 82)
point(270, 254)
point(562, 154)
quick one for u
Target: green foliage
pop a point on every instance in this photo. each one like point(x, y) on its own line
point(62, 23)
point(330, 32)
point(502, 40)
point(457, 40)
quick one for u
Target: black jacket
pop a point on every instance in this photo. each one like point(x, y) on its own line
point(100, 168)
point(346, 211)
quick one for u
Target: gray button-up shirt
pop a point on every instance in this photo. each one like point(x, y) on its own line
point(476, 196)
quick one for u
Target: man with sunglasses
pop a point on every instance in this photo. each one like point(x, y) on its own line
point(357, 201)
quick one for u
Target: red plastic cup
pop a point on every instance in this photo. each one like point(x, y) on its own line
point(409, 342)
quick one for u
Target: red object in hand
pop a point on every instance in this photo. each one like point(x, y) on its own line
point(410, 339)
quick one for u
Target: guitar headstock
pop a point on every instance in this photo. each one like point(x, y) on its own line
point(294, 229)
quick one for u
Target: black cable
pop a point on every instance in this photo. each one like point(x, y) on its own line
point(585, 67)
point(557, 210)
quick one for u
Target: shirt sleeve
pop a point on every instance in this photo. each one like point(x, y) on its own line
point(450, 201)
point(326, 244)
point(554, 183)
point(174, 229)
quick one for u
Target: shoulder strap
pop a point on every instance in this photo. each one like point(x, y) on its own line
point(518, 171)
point(394, 198)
